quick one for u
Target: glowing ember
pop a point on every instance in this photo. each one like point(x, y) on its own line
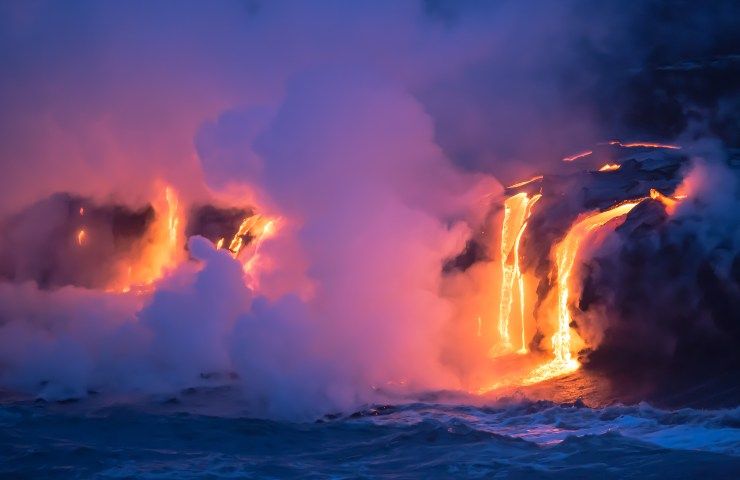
point(578, 155)
point(609, 167)
point(81, 237)
point(517, 209)
point(566, 253)
point(82, 211)
point(526, 182)
point(220, 243)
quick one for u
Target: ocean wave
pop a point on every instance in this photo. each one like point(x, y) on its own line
point(507, 439)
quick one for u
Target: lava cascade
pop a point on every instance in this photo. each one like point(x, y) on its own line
point(565, 256)
point(517, 210)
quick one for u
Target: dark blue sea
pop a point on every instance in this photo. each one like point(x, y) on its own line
point(507, 439)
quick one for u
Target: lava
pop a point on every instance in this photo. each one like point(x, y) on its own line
point(566, 253)
point(517, 209)
point(252, 231)
point(172, 218)
point(610, 167)
point(669, 202)
point(578, 155)
point(81, 237)
point(526, 182)
point(161, 249)
point(644, 145)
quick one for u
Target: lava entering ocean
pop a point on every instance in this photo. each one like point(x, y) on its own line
point(566, 254)
point(132, 250)
point(135, 251)
point(553, 319)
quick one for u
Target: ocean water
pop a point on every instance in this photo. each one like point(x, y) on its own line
point(508, 439)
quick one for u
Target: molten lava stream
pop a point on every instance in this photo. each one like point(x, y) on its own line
point(255, 228)
point(578, 155)
point(161, 250)
point(517, 209)
point(566, 253)
point(645, 145)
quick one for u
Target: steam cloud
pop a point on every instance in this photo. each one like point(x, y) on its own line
point(374, 131)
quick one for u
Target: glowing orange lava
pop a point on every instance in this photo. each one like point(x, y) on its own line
point(644, 145)
point(609, 167)
point(566, 253)
point(172, 219)
point(81, 237)
point(257, 228)
point(526, 182)
point(578, 155)
point(669, 202)
point(517, 209)
point(161, 248)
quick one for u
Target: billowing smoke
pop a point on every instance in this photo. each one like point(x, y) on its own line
point(371, 133)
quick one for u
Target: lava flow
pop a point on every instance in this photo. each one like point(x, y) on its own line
point(644, 145)
point(252, 232)
point(517, 209)
point(161, 249)
point(566, 253)
point(577, 156)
